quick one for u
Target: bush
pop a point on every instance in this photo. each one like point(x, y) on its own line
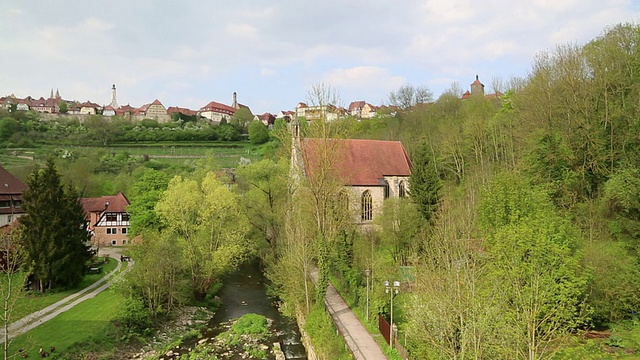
point(326, 341)
point(135, 318)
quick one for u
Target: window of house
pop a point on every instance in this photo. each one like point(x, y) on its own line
point(402, 191)
point(114, 242)
point(125, 217)
point(387, 190)
point(9, 218)
point(111, 217)
point(112, 231)
point(5, 204)
point(124, 242)
point(123, 230)
point(366, 210)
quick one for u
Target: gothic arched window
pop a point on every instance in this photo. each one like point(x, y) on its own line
point(366, 211)
point(387, 190)
point(402, 190)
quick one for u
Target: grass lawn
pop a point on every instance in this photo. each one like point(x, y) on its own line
point(83, 322)
point(35, 302)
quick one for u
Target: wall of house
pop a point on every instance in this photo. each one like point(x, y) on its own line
point(111, 235)
point(6, 219)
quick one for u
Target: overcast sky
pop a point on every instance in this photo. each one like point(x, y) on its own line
point(187, 53)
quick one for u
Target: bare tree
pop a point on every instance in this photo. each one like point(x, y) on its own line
point(408, 96)
point(11, 282)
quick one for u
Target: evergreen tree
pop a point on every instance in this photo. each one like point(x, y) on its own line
point(425, 183)
point(55, 231)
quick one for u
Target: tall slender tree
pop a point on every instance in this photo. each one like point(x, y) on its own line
point(55, 238)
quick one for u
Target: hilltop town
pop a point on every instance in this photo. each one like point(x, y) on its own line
point(214, 111)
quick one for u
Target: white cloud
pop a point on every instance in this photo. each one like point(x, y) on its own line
point(363, 76)
point(245, 31)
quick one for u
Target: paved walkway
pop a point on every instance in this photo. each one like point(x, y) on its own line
point(358, 339)
point(39, 317)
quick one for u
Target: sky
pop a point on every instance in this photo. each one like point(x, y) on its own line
point(272, 53)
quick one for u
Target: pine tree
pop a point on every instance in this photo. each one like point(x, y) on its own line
point(55, 231)
point(425, 183)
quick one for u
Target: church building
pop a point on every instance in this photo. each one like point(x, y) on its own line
point(371, 170)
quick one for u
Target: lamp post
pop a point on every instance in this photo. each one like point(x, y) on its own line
point(391, 289)
point(367, 273)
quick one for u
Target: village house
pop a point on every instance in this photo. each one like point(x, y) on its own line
point(86, 108)
point(108, 219)
point(11, 190)
point(267, 118)
point(215, 112)
point(154, 110)
point(362, 110)
point(317, 112)
point(371, 170)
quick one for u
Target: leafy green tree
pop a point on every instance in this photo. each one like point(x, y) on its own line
point(8, 127)
point(533, 256)
point(242, 118)
point(158, 278)
point(425, 183)
point(210, 226)
point(55, 237)
point(264, 186)
point(64, 107)
point(101, 129)
point(258, 132)
point(145, 193)
point(402, 225)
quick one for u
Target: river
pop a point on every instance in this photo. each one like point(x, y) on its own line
point(244, 292)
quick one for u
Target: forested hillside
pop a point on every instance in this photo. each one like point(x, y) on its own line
point(536, 231)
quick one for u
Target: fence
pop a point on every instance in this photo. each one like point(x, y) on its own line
point(385, 330)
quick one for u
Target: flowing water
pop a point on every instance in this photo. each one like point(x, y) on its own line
point(244, 292)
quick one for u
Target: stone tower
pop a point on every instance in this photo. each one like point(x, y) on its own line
point(477, 88)
point(235, 101)
point(114, 103)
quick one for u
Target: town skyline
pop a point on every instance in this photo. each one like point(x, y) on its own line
point(272, 54)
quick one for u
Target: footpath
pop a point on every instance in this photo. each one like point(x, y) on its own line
point(358, 339)
point(41, 316)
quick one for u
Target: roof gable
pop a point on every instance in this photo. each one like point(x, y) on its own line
point(358, 162)
point(10, 184)
point(109, 203)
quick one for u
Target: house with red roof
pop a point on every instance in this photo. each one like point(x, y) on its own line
point(215, 112)
point(267, 118)
point(108, 219)
point(178, 110)
point(371, 170)
point(11, 190)
point(154, 110)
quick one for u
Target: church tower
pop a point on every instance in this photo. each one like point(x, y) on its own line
point(114, 103)
point(235, 101)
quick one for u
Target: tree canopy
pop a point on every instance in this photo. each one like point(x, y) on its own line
point(54, 237)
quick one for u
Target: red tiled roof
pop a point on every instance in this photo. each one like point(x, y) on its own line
point(477, 82)
point(218, 107)
point(301, 105)
point(156, 102)
point(176, 109)
point(357, 161)
point(109, 203)
point(466, 95)
point(356, 105)
point(9, 184)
